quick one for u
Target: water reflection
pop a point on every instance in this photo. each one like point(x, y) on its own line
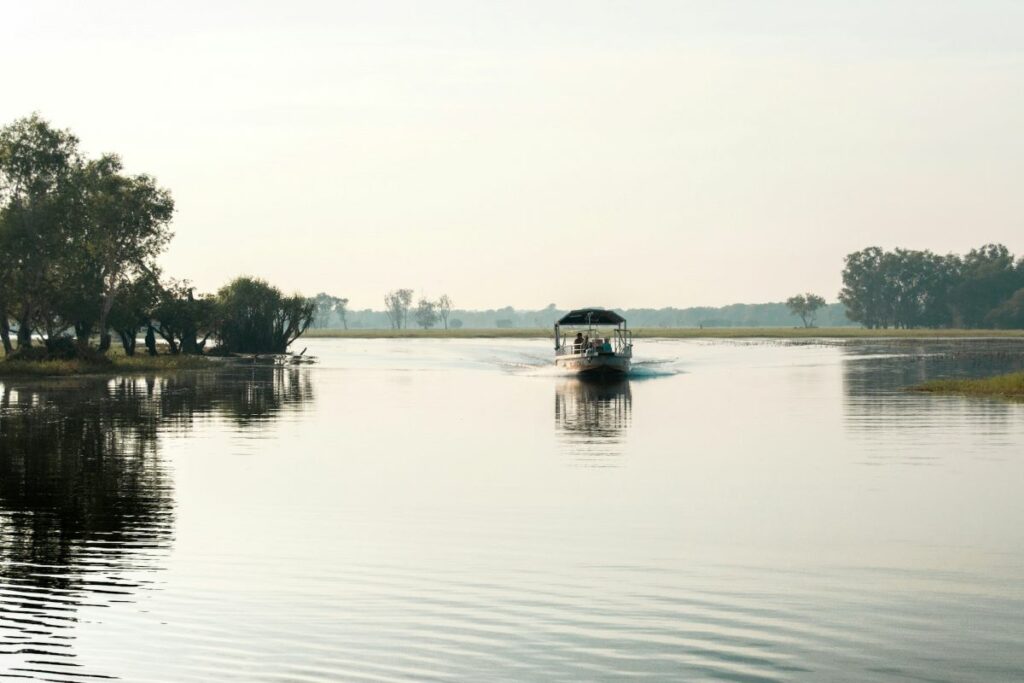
point(889, 419)
point(87, 502)
point(591, 418)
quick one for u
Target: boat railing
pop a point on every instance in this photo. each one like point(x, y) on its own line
point(621, 340)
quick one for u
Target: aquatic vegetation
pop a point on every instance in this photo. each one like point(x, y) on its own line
point(1008, 386)
point(115, 365)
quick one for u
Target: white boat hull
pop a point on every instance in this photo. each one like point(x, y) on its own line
point(596, 365)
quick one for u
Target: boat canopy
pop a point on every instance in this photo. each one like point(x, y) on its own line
point(591, 316)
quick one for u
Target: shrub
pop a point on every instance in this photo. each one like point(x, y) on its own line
point(254, 317)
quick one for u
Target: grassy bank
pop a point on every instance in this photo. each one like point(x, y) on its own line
point(115, 365)
point(1003, 386)
point(674, 333)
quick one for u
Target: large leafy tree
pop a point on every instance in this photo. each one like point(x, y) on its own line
point(989, 277)
point(133, 309)
point(806, 306)
point(184, 320)
point(127, 227)
point(906, 288)
point(1009, 314)
point(38, 167)
point(73, 233)
point(255, 317)
point(865, 290)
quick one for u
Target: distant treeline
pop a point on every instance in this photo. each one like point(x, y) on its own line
point(735, 315)
point(905, 288)
point(902, 288)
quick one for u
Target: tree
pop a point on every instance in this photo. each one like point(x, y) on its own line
point(907, 288)
point(396, 304)
point(444, 308)
point(1009, 314)
point(73, 233)
point(37, 166)
point(864, 288)
point(426, 313)
point(456, 323)
point(806, 306)
point(327, 308)
point(133, 309)
point(181, 318)
point(989, 277)
point(341, 310)
point(127, 228)
point(255, 317)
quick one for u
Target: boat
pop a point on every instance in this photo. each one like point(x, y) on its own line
point(602, 345)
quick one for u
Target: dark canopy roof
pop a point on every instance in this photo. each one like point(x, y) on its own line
point(592, 316)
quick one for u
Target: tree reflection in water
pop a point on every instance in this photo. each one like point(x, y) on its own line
point(892, 423)
point(86, 501)
point(591, 418)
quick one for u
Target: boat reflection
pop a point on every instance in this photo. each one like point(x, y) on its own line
point(591, 418)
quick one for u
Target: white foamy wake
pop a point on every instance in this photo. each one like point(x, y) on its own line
point(538, 367)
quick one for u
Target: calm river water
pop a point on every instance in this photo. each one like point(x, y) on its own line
point(455, 510)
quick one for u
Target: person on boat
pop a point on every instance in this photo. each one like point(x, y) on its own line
point(606, 347)
point(578, 342)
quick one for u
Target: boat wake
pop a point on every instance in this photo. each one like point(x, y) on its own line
point(543, 367)
point(650, 369)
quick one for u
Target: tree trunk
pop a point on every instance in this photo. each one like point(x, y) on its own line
point(24, 335)
point(168, 336)
point(150, 340)
point(108, 303)
point(82, 333)
point(5, 333)
point(25, 326)
point(188, 342)
point(128, 341)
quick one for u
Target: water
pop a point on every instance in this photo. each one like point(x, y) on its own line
point(457, 510)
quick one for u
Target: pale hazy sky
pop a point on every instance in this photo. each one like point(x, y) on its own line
point(520, 153)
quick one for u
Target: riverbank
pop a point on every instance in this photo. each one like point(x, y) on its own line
point(1000, 386)
point(113, 365)
point(674, 333)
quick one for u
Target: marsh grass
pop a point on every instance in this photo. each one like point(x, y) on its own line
point(116, 364)
point(674, 333)
point(1004, 386)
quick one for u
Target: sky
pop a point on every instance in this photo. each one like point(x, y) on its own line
point(619, 154)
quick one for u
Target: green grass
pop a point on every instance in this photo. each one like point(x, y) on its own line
point(1003, 386)
point(672, 333)
point(115, 365)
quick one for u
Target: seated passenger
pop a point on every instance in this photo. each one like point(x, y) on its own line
point(577, 343)
point(606, 347)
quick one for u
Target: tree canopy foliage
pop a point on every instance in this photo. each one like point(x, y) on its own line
point(396, 305)
point(426, 313)
point(806, 306)
point(330, 311)
point(75, 233)
point(255, 317)
point(79, 241)
point(905, 288)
